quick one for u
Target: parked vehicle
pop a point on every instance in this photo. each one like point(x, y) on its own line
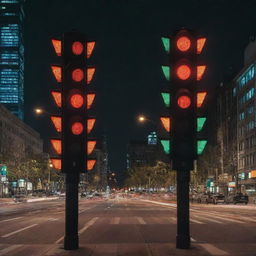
point(216, 198)
point(237, 198)
point(202, 198)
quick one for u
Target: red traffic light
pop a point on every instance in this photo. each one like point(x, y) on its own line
point(77, 48)
point(184, 101)
point(183, 72)
point(76, 100)
point(183, 43)
point(77, 75)
point(77, 128)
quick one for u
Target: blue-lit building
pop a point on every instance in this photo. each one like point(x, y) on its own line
point(12, 56)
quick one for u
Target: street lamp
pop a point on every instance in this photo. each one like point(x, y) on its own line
point(40, 111)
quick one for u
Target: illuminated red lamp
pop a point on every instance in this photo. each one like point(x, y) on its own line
point(77, 75)
point(90, 73)
point(56, 163)
point(57, 46)
point(77, 48)
point(56, 120)
point(57, 98)
point(183, 43)
point(183, 72)
point(90, 146)
point(200, 97)
point(200, 44)
point(166, 123)
point(56, 144)
point(90, 164)
point(57, 70)
point(77, 128)
point(90, 47)
point(90, 124)
point(76, 100)
point(184, 101)
point(90, 99)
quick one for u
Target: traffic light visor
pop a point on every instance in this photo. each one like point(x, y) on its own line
point(183, 72)
point(183, 43)
point(77, 48)
point(184, 101)
point(77, 128)
point(76, 100)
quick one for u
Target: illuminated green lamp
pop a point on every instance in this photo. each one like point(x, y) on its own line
point(166, 146)
point(200, 123)
point(166, 71)
point(166, 43)
point(200, 146)
point(166, 98)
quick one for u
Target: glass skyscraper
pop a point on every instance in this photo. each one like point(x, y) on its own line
point(12, 56)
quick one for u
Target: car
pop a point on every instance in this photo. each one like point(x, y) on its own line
point(202, 198)
point(20, 198)
point(216, 198)
point(237, 198)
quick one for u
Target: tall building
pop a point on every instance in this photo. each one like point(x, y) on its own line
point(12, 56)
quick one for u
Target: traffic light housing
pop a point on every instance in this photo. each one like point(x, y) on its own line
point(74, 99)
point(183, 98)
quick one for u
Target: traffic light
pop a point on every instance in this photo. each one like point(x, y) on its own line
point(183, 99)
point(74, 99)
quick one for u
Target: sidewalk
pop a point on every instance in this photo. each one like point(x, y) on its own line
point(8, 201)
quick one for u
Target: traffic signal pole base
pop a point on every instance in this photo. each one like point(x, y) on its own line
point(182, 242)
point(71, 242)
point(183, 231)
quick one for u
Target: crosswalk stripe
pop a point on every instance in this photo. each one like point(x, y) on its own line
point(209, 219)
point(9, 249)
point(11, 219)
point(90, 223)
point(227, 219)
point(141, 221)
point(196, 221)
point(213, 250)
point(115, 220)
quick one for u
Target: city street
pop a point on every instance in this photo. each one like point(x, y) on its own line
point(123, 226)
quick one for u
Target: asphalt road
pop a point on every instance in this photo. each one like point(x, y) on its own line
point(126, 227)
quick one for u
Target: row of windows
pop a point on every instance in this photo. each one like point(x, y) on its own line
point(247, 96)
point(9, 35)
point(247, 161)
point(9, 1)
point(8, 14)
point(248, 143)
point(246, 77)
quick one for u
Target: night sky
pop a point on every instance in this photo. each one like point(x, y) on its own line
point(128, 56)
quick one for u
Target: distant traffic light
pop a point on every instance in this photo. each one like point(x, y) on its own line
point(74, 100)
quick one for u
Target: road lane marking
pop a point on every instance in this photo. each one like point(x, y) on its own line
point(90, 223)
point(196, 221)
point(53, 219)
point(213, 250)
point(19, 230)
point(9, 249)
point(141, 221)
point(11, 219)
point(115, 220)
point(192, 239)
point(231, 220)
point(211, 220)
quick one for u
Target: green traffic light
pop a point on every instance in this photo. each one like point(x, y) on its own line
point(166, 98)
point(166, 43)
point(166, 71)
point(166, 146)
point(200, 146)
point(200, 123)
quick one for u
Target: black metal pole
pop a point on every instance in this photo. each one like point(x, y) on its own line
point(183, 232)
point(71, 241)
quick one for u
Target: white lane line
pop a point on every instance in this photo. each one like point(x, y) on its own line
point(11, 219)
point(9, 249)
point(196, 221)
point(141, 220)
point(227, 219)
point(209, 219)
point(192, 239)
point(90, 223)
point(53, 219)
point(19, 230)
point(115, 220)
point(213, 250)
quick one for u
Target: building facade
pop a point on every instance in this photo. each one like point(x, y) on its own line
point(12, 56)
